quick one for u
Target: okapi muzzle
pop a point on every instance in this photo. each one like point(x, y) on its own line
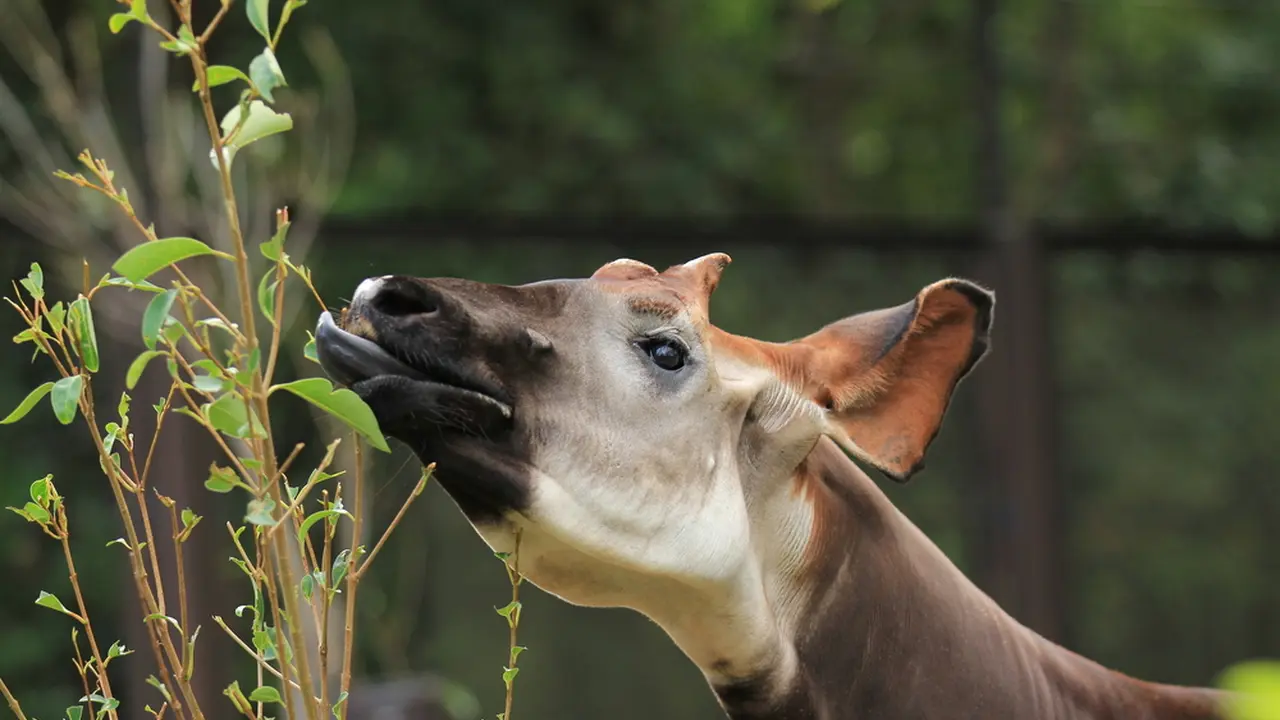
point(649, 460)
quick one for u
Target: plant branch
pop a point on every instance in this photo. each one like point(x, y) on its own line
point(103, 680)
point(353, 578)
point(13, 702)
point(417, 490)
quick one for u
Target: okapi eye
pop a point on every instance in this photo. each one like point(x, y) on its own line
point(666, 354)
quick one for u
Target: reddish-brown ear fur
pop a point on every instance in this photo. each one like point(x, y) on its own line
point(887, 376)
point(701, 274)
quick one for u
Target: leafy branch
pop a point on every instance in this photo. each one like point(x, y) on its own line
point(220, 372)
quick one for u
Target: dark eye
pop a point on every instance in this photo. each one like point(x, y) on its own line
point(666, 354)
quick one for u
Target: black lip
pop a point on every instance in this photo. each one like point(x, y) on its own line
point(348, 359)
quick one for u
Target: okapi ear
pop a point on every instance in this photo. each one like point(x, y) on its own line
point(886, 377)
point(701, 275)
point(624, 269)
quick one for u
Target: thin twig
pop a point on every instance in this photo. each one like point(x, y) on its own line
point(146, 464)
point(103, 680)
point(326, 601)
point(262, 664)
point(353, 577)
point(513, 572)
point(417, 490)
point(13, 702)
point(182, 582)
point(159, 640)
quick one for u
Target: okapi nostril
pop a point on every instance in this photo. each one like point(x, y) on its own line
point(400, 302)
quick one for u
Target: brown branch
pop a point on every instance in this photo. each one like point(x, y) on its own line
point(353, 578)
point(13, 702)
point(64, 537)
point(417, 490)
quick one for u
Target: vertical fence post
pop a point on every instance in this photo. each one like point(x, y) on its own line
point(1020, 560)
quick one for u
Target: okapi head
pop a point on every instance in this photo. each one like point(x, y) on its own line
point(650, 460)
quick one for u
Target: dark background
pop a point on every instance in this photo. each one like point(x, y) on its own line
point(1107, 166)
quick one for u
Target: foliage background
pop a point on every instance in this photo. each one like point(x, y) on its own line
point(475, 118)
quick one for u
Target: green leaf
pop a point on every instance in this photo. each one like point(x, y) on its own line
point(34, 281)
point(259, 512)
point(229, 415)
point(509, 675)
point(307, 585)
point(207, 365)
point(222, 480)
point(172, 332)
point(214, 322)
point(75, 712)
point(261, 122)
point(265, 694)
point(309, 350)
point(272, 248)
point(28, 335)
point(340, 567)
point(66, 398)
point(41, 490)
point(109, 439)
point(258, 18)
point(141, 261)
point(53, 603)
point(34, 513)
point(515, 652)
point(185, 42)
point(1255, 685)
point(137, 11)
point(266, 73)
point(189, 518)
point(316, 517)
point(117, 650)
point(341, 403)
point(81, 320)
point(162, 616)
point(55, 316)
point(155, 683)
point(267, 295)
point(206, 383)
point(27, 403)
point(127, 283)
point(139, 364)
point(118, 20)
point(221, 75)
point(265, 641)
point(342, 696)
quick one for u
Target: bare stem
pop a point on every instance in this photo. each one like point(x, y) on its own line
point(326, 601)
point(13, 702)
point(353, 576)
point(159, 640)
point(513, 572)
point(182, 582)
point(417, 490)
point(103, 680)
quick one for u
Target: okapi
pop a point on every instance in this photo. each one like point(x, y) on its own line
point(650, 460)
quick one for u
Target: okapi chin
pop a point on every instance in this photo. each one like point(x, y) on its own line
point(650, 460)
